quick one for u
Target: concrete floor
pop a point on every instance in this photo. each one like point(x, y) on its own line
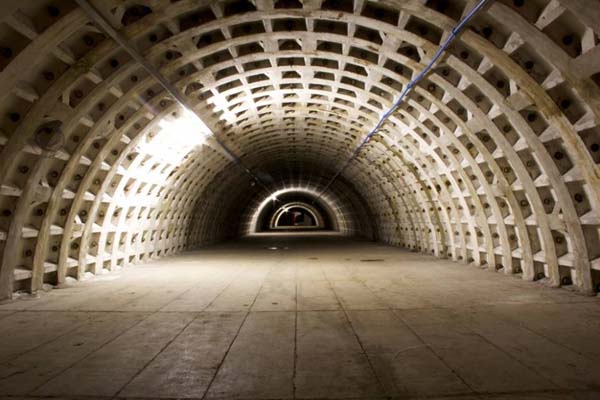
point(318, 317)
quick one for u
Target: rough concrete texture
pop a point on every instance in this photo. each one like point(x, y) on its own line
point(492, 158)
point(319, 317)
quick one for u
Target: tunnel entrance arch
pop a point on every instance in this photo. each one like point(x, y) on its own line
point(297, 216)
point(270, 213)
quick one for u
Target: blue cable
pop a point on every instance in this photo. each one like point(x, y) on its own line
point(453, 33)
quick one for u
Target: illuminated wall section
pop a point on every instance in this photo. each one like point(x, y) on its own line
point(492, 159)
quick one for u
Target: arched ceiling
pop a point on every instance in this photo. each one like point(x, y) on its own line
point(492, 159)
point(285, 217)
point(341, 208)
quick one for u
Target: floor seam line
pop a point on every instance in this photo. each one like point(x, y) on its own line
point(294, 388)
point(155, 356)
point(564, 346)
point(394, 312)
point(357, 338)
point(88, 354)
point(214, 377)
point(78, 325)
point(409, 397)
point(435, 353)
point(513, 357)
point(236, 273)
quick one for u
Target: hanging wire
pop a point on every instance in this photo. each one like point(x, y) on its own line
point(453, 33)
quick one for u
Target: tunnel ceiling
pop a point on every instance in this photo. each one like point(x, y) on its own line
point(492, 159)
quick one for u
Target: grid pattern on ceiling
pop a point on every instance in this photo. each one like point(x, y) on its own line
point(492, 159)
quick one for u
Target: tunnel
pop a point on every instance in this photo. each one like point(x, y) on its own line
point(300, 199)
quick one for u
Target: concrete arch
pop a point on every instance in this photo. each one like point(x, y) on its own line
point(316, 216)
point(492, 159)
point(342, 219)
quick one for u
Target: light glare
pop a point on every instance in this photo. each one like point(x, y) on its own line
point(176, 138)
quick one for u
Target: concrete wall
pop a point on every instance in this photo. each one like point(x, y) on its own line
point(492, 160)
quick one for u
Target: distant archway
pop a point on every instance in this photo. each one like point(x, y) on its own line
point(296, 216)
point(325, 210)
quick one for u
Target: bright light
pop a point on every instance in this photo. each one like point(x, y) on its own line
point(176, 138)
point(254, 219)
